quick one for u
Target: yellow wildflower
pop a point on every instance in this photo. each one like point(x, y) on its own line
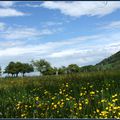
point(114, 95)
point(61, 105)
point(106, 108)
point(97, 110)
point(53, 98)
point(52, 103)
point(92, 92)
point(58, 102)
point(45, 92)
point(55, 106)
point(66, 85)
point(23, 115)
point(103, 100)
point(39, 105)
point(80, 108)
point(37, 98)
point(75, 105)
point(86, 101)
point(91, 86)
point(81, 94)
point(114, 100)
point(67, 99)
point(66, 95)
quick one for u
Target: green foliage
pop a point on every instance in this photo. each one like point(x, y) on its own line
point(26, 68)
point(110, 63)
point(10, 69)
point(73, 68)
point(62, 70)
point(88, 68)
point(43, 66)
point(18, 67)
point(0, 71)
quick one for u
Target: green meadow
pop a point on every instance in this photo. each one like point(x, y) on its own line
point(78, 95)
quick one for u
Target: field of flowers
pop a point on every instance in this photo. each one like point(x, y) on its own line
point(83, 95)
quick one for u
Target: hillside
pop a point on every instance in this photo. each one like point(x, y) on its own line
point(112, 62)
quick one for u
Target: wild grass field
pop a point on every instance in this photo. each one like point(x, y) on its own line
point(82, 95)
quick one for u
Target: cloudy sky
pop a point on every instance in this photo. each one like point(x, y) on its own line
point(60, 32)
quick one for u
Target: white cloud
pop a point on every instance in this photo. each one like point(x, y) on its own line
point(79, 8)
point(86, 56)
point(32, 5)
point(30, 49)
point(112, 25)
point(9, 44)
point(13, 49)
point(21, 32)
point(2, 26)
point(10, 12)
point(67, 51)
point(6, 3)
point(82, 50)
point(87, 51)
point(7, 9)
point(51, 24)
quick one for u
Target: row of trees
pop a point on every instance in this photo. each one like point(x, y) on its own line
point(44, 67)
point(15, 68)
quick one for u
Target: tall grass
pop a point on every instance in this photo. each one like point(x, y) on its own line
point(83, 95)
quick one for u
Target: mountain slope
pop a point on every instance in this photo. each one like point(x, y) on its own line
point(112, 62)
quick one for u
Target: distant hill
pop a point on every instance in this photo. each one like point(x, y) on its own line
point(112, 62)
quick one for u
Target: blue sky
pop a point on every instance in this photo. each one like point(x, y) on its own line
point(60, 32)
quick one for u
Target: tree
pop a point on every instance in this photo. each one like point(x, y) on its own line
point(88, 68)
point(55, 71)
point(26, 68)
point(62, 70)
point(0, 72)
point(18, 68)
point(51, 71)
point(73, 68)
point(42, 66)
point(10, 69)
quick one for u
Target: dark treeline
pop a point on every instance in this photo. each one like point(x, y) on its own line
point(44, 67)
point(15, 68)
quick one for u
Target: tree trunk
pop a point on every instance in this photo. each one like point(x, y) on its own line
point(16, 74)
point(12, 75)
point(23, 74)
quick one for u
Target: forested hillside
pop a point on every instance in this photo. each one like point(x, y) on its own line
point(112, 62)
